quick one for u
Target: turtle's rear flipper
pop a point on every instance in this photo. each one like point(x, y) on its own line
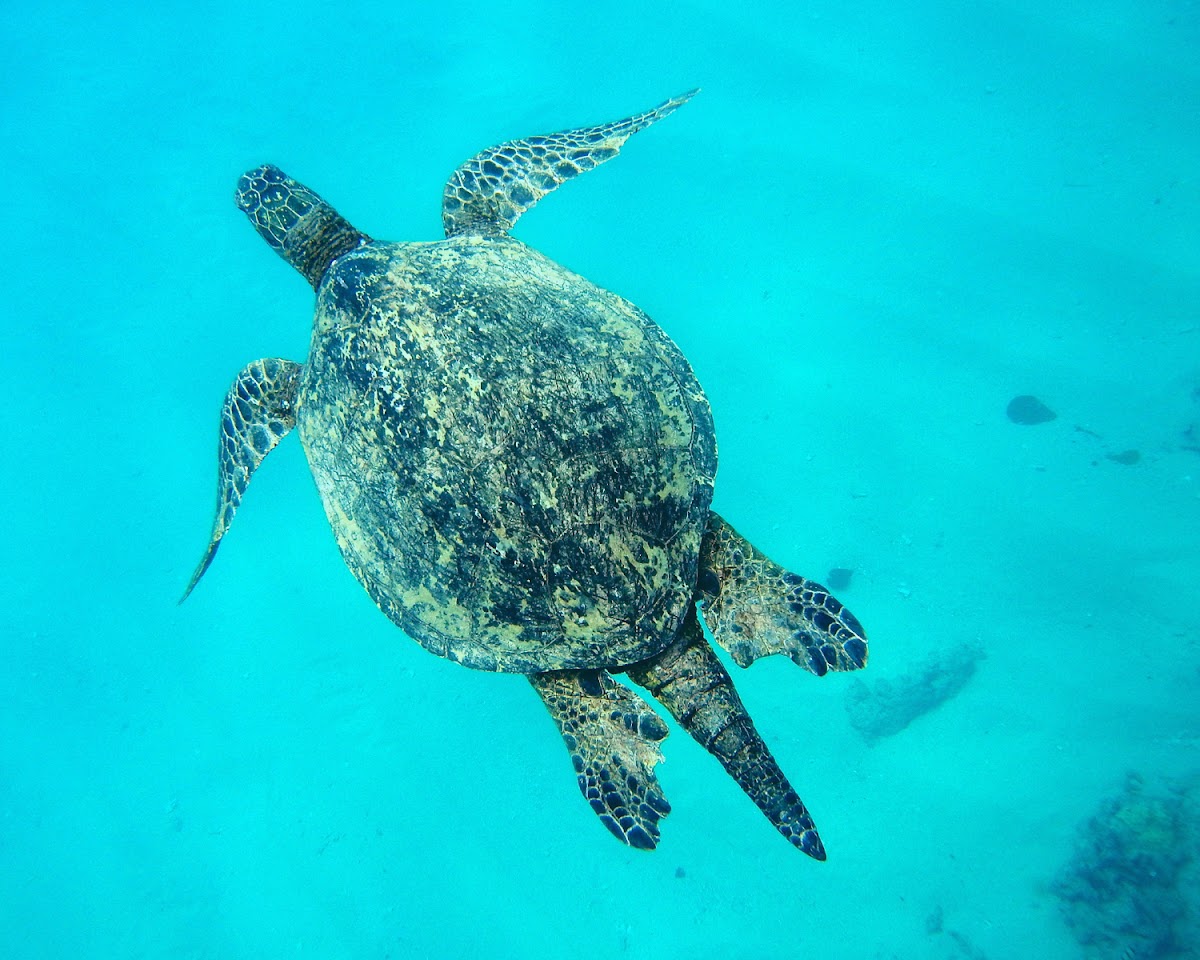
point(689, 680)
point(754, 608)
point(259, 411)
point(613, 739)
point(487, 194)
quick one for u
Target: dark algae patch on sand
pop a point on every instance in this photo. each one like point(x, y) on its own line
point(1131, 887)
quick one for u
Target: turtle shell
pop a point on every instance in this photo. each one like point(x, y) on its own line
point(516, 463)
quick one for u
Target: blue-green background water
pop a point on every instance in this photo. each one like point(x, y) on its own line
point(877, 224)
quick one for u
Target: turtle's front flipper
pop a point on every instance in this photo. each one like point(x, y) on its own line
point(613, 739)
point(754, 608)
point(689, 680)
point(487, 194)
point(258, 412)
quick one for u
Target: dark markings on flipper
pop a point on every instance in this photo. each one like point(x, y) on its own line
point(259, 411)
point(689, 680)
point(487, 194)
point(754, 608)
point(612, 735)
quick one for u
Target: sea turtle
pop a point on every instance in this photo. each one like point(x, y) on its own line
point(518, 466)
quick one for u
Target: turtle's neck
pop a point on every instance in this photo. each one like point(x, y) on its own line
point(317, 239)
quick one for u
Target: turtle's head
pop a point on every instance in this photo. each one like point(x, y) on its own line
point(301, 227)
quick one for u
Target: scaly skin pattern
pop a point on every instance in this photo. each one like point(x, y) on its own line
point(296, 223)
point(612, 736)
point(689, 680)
point(487, 194)
point(517, 464)
point(259, 411)
point(755, 608)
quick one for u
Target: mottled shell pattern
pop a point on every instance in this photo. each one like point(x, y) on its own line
point(517, 464)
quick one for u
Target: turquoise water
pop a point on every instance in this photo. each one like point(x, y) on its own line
point(875, 226)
